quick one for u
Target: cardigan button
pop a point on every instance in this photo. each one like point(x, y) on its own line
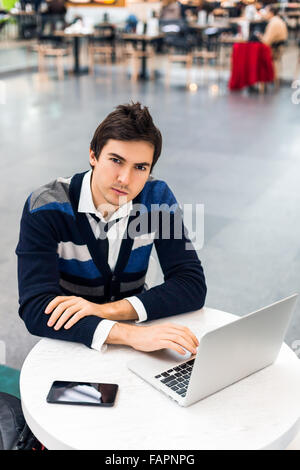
point(113, 298)
point(114, 278)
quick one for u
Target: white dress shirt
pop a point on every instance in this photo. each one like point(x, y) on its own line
point(114, 236)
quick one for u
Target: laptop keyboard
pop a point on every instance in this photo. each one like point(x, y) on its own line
point(178, 377)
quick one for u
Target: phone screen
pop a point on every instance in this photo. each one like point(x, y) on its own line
point(82, 393)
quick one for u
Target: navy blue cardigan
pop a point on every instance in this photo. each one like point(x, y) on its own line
point(59, 255)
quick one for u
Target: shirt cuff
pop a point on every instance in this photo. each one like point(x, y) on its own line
point(138, 307)
point(101, 333)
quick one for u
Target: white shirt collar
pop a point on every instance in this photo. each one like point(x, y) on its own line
point(87, 206)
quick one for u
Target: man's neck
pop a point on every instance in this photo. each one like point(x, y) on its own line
point(100, 203)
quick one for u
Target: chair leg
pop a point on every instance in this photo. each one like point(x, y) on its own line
point(297, 69)
point(135, 66)
point(261, 87)
point(60, 67)
point(41, 63)
point(109, 62)
point(91, 62)
point(152, 67)
point(168, 73)
point(125, 63)
point(188, 72)
point(276, 75)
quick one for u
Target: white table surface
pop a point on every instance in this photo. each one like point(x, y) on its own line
point(260, 412)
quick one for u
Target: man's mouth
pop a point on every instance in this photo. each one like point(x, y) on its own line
point(121, 193)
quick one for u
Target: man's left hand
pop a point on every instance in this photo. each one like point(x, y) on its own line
point(70, 309)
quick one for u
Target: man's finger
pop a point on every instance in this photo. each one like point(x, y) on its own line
point(175, 338)
point(187, 334)
point(170, 345)
point(185, 331)
point(75, 318)
point(69, 312)
point(56, 301)
point(58, 311)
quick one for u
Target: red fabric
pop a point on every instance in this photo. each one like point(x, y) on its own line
point(251, 63)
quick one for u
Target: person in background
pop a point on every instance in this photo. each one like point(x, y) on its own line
point(190, 16)
point(171, 10)
point(251, 12)
point(131, 23)
point(54, 16)
point(276, 31)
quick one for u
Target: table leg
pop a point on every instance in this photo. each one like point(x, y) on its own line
point(76, 51)
point(144, 74)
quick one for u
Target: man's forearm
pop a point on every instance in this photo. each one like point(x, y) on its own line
point(120, 310)
point(120, 334)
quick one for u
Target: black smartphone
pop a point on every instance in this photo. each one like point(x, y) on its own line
point(82, 393)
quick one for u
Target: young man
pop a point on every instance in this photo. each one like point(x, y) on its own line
point(85, 244)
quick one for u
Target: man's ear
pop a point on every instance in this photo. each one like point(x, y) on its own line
point(92, 158)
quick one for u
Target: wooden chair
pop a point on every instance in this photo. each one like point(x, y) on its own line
point(206, 56)
point(105, 52)
point(186, 59)
point(137, 56)
point(58, 54)
point(51, 47)
point(227, 41)
point(133, 55)
point(179, 43)
point(102, 45)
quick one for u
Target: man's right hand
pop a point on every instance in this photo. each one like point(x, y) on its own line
point(153, 338)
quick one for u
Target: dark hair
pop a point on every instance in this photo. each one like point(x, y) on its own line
point(274, 10)
point(129, 122)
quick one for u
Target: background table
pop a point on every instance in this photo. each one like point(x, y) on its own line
point(144, 40)
point(260, 412)
point(77, 70)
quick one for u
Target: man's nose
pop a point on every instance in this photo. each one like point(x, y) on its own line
point(124, 177)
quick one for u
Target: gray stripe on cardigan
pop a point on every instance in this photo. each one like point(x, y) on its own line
point(82, 290)
point(126, 286)
point(55, 191)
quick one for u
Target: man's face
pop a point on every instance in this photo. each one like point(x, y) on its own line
point(120, 172)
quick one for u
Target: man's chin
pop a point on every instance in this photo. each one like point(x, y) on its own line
point(116, 200)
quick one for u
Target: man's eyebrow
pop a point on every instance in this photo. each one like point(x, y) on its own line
point(124, 159)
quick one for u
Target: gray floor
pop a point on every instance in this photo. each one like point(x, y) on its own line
point(237, 154)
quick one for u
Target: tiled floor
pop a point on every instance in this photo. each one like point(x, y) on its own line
point(238, 154)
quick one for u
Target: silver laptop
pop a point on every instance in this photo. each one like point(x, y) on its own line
point(224, 356)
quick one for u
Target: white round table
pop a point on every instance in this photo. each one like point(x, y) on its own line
point(260, 412)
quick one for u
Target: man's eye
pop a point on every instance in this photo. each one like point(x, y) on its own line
point(116, 160)
point(141, 167)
